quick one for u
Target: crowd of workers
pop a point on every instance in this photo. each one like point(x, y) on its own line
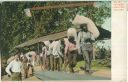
point(55, 55)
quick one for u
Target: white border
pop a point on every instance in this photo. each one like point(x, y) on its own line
point(119, 42)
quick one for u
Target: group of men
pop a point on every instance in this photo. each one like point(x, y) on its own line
point(59, 53)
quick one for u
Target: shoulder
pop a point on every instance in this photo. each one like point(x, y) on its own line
point(79, 32)
point(12, 62)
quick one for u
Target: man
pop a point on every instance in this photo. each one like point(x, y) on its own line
point(58, 52)
point(43, 56)
point(49, 57)
point(85, 40)
point(51, 48)
point(14, 69)
point(31, 56)
point(25, 66)
point(71, 54)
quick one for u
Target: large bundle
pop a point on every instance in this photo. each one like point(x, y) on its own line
point(78, 20)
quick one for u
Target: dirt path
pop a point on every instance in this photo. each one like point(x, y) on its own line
point(103, 73)
point(33, 78)
point(100, 73)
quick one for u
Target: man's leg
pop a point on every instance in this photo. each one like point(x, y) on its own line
point(44, 62)
point(74, 59)
point(90, 58)
point(16, 77)
point(87, 60)
point(26, 72)
point(52, 62)
point(55, 63)
point(65, 62)
point(71, 63)
point(48, 62)
point(60, 63)
point(41, 63)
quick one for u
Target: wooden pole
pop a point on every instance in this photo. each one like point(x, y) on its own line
point(64, 6)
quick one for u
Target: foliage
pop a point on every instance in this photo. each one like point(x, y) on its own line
point(16, 28)
point(104, 56)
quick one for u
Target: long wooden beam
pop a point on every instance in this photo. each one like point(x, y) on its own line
point(64, 6)
point(54, 36)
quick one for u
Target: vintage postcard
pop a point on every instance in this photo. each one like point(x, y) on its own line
point(63, 40)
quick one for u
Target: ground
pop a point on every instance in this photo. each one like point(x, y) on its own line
point(100, 71)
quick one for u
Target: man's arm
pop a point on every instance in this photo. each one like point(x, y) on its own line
point(78, 42)
point(59, 50)
point(92, 37)
point(8, 68)
point(45, 51)
point(50, 49)
point(66, 49)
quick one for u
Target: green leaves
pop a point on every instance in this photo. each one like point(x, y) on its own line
point(17, 28)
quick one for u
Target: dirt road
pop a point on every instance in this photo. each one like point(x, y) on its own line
point(54, 75)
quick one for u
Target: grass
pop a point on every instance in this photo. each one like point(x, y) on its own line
point(95, 65)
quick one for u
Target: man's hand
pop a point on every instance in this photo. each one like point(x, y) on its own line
point(9, 75)
point(79, 51)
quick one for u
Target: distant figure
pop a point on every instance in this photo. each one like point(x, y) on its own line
point(30, 69)
point(43, 56)
point(50, 52)
point(25, 66)
point(58, 53)
point(71, 54)
point(48, 63)
point(85, 40)
point(31, 56)
point(14, 68)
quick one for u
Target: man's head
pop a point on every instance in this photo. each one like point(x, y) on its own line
point(50, 41)
point(71, 39)
point(62, 42)
point(42, 43)
point(83, 27)
point(30, 55)
point(17, 57)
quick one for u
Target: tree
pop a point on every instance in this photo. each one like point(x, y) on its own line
point(16, 28)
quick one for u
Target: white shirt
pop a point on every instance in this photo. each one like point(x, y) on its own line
point(47, 43)
point(44, 52)
point(56, 49)
point(15, 66)
point(30, 53)
point(51, 48)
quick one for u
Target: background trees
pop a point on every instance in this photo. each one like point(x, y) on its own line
point(16, 28)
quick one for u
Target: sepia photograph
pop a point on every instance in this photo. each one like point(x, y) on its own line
point(55, 40)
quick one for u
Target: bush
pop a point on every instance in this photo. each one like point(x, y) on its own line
point(104, 56)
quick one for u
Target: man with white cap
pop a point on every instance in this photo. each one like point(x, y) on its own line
point(14, 68)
